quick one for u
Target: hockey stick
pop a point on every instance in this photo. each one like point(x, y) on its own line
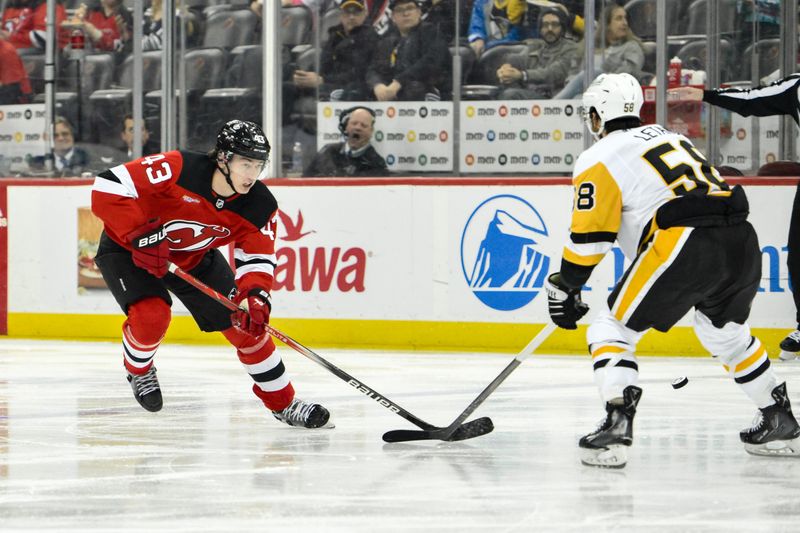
point(471, 429)
point(448, 433)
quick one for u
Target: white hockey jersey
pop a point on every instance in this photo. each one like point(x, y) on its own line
point(622, 180)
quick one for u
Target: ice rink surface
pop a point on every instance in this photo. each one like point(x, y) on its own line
point(78, 454)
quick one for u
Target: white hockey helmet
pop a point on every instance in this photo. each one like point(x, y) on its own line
point(612, 96)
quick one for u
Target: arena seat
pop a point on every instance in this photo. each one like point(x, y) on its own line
point(642, 19)
point(780, 168)
point(228, 29)
point(697, 13)
point(769, 58)
point(296, 24)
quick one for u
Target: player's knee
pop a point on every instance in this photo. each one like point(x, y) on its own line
point(148, 319)
point(606, 328)
point(725, 342)
point(246, 343)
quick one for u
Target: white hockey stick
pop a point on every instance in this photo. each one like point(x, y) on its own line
point(469, 430)
point(402, 435)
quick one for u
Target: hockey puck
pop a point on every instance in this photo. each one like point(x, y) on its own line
point(680, 382)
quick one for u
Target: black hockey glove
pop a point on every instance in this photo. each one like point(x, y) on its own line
point(565, 305)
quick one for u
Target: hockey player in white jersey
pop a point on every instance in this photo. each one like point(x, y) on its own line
point(686, 233)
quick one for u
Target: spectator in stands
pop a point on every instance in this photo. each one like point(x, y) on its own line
point(355, 156)
point(496, 22)
point(107, 25)
point(540, 71)
point(766, 14)
point(575, 10)
point(620, 52)
point(23, 23)
point(154, 30)
point(345, 57)
point(412, 62)
point(15, 88)
point(148, 146)
point(69, 160)
point(442, 15)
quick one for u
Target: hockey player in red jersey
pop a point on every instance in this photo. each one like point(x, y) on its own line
point(180, 207)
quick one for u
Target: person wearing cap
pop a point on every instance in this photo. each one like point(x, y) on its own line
point(541, 70)
point(344, 58)
point(412, 62)
point(355, 156)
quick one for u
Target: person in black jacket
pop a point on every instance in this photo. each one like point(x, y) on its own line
point(781, 97)
point(345, 57)
point(412, 63)
point(355, 156)
point(68, 159)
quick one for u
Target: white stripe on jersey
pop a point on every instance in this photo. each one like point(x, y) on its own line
point(265, 268)
point(241, 255)
point(769, 90)
point(125, 187)
point(589, 248)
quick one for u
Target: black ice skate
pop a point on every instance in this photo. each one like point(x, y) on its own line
point(790, 346)
point(776, 431)
point(607, 445)
point(304, 414)
point(146, 390)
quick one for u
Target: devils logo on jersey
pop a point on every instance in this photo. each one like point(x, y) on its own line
point(188, 236)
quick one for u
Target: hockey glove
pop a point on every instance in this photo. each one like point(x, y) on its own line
point(150, 248)
point(253, 320)
point(564, 304)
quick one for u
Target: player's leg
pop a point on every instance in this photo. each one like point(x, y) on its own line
point(775, 431)
point(651, 294)
point(145, 301)
point(616, 374)
point(721, 325)
point(790, 346)
point(258, 355)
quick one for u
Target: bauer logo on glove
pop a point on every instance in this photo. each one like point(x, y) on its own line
point(564, 304)
point(150, 240)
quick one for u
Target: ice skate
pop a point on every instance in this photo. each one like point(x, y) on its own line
point(608, 445)
point(775, 431)
point(790, 346)
point(304, 414)
point(146, 390)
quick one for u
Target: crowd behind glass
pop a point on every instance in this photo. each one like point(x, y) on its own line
point(344, 51)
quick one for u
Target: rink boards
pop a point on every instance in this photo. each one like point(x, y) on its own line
point(444, 264)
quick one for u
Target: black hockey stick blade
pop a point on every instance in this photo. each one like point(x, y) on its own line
point(468, 430)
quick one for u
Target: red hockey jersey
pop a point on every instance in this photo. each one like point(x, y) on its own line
point(175, 187)
point(27, 26)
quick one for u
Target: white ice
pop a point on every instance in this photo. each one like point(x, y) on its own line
point(77, 453)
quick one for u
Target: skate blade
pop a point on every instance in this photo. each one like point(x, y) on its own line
point(615, 456)
point(787, 356)
point(776, 448)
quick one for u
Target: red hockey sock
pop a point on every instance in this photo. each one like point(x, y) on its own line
point(264, 365)
point(142, 332)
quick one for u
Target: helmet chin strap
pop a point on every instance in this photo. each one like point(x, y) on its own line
point(226, 172)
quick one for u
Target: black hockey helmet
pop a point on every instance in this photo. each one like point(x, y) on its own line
point(243, 138)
